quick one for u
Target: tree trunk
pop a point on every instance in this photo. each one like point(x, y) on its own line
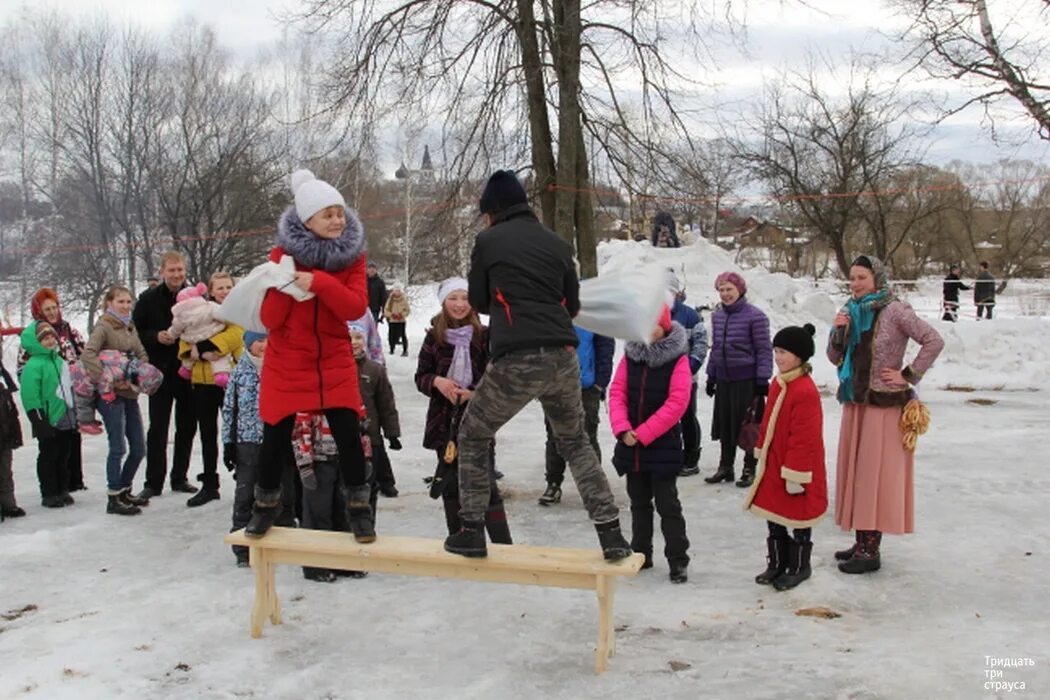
point(539, 120)
point(567, 66)
point(586, 241)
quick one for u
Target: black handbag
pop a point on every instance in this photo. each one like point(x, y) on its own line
point(750, 427)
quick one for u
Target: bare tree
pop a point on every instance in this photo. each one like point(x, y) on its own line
point(821, 155)
point(959, 40)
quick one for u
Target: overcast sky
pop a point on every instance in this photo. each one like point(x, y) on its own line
point(780, 33)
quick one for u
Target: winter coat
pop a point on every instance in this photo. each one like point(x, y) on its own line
point(309, 359)
point(110, 334)
point(740, 344)
point(690, 320)
point(883, 347)
point(152, 314)
point(791, 448)
point(240, 406)
point(229, 341)
point(649, 394)
point(46, 384)
point(10, 426)
point(193, 320)
point(952, 285)
point(595, 353)
point(523, 276)
point(664, 219)
point(984, 288)
point(396, 308)
point(435, 361)
point(377, 296)
point(378, 395)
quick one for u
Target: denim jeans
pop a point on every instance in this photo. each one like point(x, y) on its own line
point(122, 418)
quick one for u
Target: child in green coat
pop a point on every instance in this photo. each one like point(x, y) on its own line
point(47, 396)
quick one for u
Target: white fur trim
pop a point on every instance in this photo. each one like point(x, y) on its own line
point(789, 474)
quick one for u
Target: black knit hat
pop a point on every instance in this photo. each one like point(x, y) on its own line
point(502, 191)
point(796, 340)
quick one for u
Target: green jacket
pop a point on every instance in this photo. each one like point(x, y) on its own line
point(45, 379)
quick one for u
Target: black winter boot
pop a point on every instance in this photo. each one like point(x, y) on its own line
point(359, 512)
point(614, 546)
point(551, 495)
point(866, 557)
point(797, 565)
point(265, 511)
point(847, 554)
point(469, 541)
point(724, 473)
point(128, 498)
point(747, 476)
point(691, 465)
point(115, 506)
point(776, 560)
point(209, 490)
point(679, 572)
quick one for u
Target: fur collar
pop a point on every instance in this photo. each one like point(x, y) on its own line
point(667, 349)
point(318, 253)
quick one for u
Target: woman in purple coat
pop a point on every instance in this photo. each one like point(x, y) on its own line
point(738, 371)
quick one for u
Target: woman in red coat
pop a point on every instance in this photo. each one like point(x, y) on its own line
point(791, 488)
point(309, 363)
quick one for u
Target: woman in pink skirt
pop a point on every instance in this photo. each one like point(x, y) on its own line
point(874, 490)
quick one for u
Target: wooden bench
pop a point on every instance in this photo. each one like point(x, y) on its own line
point(415, 556)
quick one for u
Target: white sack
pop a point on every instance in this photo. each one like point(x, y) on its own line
point(244, 302)
point(623, 305)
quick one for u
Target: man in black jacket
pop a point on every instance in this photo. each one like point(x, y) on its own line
point(377, 293)
point(952, 285)
point(523, 276)
point(152, 318)
point(984, 292)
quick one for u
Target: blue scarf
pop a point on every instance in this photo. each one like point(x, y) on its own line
point(861, 317)
point(126, 320)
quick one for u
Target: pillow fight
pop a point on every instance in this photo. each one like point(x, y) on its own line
point(289, 378)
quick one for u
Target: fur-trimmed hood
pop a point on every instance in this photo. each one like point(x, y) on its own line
point(667, 349)
point(319, 253)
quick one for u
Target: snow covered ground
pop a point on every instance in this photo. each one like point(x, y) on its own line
point(153, 607)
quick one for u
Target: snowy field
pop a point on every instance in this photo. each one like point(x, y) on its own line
point(96, 606)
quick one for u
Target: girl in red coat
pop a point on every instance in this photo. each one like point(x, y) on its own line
point(309, 359)
point(791, 488)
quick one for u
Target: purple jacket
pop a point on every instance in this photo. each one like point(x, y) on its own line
point(740, 344)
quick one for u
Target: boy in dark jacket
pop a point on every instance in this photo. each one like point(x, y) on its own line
point(689, 319)
point(10, 440)
point(952, 285)
point(381, 410)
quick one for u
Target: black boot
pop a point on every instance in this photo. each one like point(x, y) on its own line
point(131, 500)
point(359, 512)
point(614, 546)
point(847, 554)
point(679, 572)
point(798, 565)
point(747, 476)
point(551, 495)
point(776, 560)
point(209, 490)
point(265, 511)
point(691, 464)
point(866, 557)
point(469, 541)
point(115, 506)
point(724, 473)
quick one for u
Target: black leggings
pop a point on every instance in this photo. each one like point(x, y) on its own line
point(277, 448)
point(778, 531)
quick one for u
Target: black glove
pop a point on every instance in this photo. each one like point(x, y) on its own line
point(41, 427)
point(761, 388)
point(229, 456)
point(395, 444)
point(710, 388)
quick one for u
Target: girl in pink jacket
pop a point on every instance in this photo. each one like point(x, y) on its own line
point(647, 398)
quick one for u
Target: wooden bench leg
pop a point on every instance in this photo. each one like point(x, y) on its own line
point(261, 605)
point(271, 588)
point(606, 632)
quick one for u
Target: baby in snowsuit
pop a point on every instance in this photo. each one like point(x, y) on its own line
point(194, 321)
point(116, 366)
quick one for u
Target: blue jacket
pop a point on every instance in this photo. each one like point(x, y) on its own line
point(741, 347)
point(242, 396)
point(695, 329)
point(595, 353)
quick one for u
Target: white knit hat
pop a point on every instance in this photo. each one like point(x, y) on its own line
point(313, 195)
point(451, 285)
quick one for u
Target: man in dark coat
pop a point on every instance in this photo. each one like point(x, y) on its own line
point(377, 294)
point(984, 292)
point(952, 285)
point(523, 276)
point(665, 233)
point(152, 318)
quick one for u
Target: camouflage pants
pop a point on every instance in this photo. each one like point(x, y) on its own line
point(551, 375)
